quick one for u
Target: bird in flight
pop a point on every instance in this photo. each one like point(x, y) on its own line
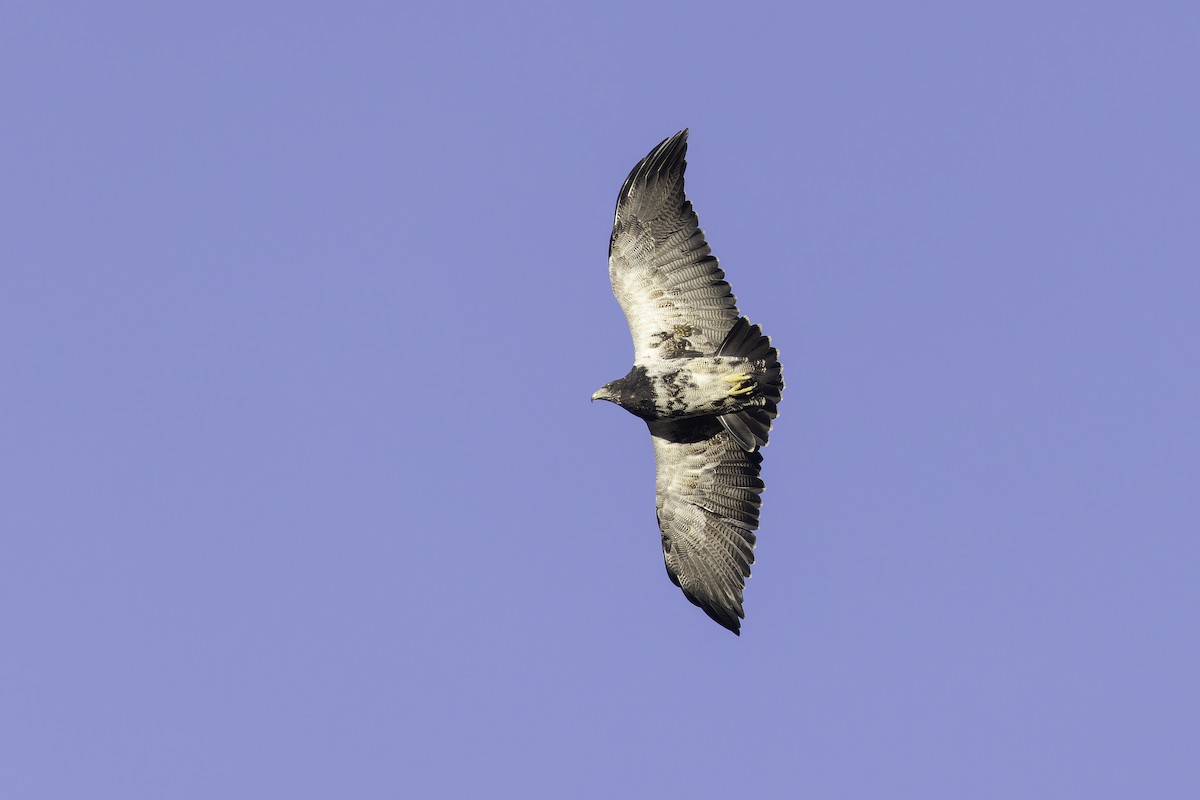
point(706, 381)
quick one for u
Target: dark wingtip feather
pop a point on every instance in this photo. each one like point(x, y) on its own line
point(668, 155)
point(727, 618)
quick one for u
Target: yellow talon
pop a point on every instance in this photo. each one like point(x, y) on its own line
point(740, 377)
point(743, 390)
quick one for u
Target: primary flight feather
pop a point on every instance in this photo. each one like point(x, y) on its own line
point(706, 381)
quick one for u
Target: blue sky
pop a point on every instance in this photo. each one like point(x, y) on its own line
point(301, 308)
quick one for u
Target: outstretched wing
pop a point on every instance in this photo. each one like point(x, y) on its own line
point(708, 489)
point(663, 273)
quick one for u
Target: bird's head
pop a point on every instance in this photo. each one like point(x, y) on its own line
point(610, 391)
point(634, 393)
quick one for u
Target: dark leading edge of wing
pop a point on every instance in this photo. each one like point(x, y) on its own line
point(663, 272)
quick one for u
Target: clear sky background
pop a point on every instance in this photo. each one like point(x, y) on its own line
point(301, 308)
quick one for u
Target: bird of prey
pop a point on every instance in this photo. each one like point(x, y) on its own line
point(704, 379)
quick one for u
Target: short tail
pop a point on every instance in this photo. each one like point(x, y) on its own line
point(751, 426)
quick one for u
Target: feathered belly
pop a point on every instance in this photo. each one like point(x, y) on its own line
point(695, 387)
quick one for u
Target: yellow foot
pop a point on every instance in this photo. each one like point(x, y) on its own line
point(741, 384)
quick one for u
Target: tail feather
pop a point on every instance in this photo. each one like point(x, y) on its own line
point(751, 427)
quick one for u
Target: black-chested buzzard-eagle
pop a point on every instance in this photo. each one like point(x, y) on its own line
point(704, 379)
